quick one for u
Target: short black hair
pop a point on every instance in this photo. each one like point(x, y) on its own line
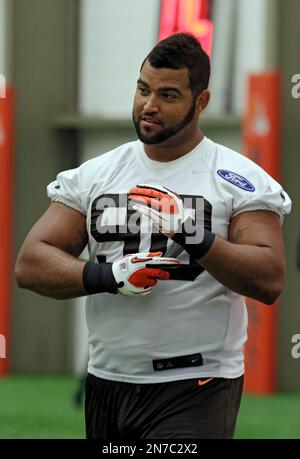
point(182, 50)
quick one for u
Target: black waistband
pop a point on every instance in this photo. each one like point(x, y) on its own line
point(182, 361)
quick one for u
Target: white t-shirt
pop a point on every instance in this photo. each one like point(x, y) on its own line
point(180, 317)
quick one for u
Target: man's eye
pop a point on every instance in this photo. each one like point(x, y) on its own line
point(169, 96)
point(143, 91)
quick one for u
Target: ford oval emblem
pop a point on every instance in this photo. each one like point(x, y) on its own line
point(236, 180)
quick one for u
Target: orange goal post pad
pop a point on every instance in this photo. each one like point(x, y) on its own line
point(6, 206)
point(261, 142)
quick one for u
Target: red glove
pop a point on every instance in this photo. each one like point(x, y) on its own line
point(164, 207)
point(136, 274)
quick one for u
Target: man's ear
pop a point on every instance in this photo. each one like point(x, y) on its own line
point(202, 101)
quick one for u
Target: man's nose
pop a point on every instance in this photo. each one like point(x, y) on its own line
point(151, 104)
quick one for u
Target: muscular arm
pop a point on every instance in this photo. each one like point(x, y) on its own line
point(47, 262)
point(251, 262)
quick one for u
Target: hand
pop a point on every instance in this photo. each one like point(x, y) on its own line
point(136, 274)
point(164, 207)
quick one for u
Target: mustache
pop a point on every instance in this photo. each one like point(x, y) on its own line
point(149, 117)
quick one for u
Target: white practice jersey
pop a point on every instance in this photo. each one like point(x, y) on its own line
point(191, 315)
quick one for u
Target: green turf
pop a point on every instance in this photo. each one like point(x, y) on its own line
point(273, 416)
point(43, 407)
point(39, 407)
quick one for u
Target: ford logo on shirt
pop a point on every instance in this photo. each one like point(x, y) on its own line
point(236, 180)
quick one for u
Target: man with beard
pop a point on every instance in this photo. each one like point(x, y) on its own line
point(165, 334)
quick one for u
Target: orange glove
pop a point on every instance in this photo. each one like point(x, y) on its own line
point(136, 274)
point(163, 206)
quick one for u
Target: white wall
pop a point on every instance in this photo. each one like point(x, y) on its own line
point(116, 35)
point(245, 41)
point(224, 16)
point(79, 337)
point(114, 39)
point(256, 24)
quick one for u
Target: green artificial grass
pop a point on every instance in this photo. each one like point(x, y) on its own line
point(41, 407)
point(269, 417)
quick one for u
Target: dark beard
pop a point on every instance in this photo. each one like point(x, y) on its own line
point(166, 133)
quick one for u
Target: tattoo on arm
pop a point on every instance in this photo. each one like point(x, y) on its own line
point(236, 236)
point(78, 244)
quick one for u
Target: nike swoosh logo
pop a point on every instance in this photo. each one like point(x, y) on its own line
point(205, 381)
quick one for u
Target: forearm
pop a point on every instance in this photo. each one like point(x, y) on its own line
point(49, 271)
point(250, 263)
point(249, 270)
